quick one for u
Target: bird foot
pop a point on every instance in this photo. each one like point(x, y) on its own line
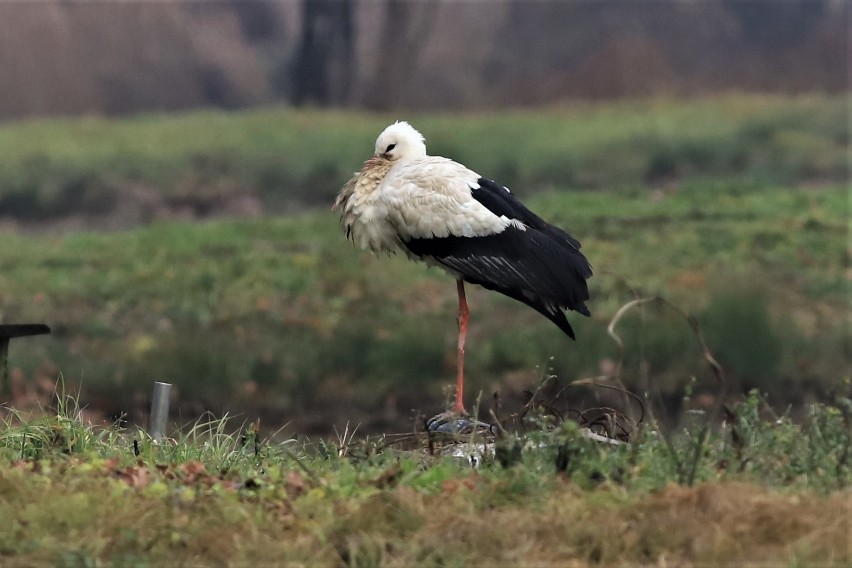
point(452, 422)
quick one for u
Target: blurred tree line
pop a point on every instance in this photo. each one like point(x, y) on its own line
point(115, 58)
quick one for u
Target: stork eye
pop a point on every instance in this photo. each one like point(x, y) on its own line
point(390, 147)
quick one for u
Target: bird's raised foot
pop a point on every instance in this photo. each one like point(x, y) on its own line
point(452, 422)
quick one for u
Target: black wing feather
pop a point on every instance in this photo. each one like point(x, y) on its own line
point(500, 201)
point(539, 265)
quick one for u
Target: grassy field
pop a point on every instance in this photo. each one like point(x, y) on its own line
point(733, 210)
point(288, 158)
point(761, 491)
point(278, 314)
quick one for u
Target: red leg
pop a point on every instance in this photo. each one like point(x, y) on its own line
point(463, 317)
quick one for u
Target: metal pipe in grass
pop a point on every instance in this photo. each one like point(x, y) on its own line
point(159, 409)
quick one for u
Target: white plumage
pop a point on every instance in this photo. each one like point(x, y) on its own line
point(436, 210)
point(406, 194)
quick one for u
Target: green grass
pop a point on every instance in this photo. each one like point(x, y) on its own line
point(734, 208)
point(49, 168)
point(282, 313)
point(767, 491)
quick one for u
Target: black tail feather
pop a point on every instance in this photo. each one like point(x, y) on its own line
point(553, 313)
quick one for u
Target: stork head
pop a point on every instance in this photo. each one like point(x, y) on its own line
point(400, 141)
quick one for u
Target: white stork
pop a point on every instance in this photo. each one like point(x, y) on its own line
point(438, 211)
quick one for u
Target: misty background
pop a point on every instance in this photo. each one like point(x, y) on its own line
point(71, 58)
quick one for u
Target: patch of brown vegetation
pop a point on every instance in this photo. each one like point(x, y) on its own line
point(184, 514)
point(728, 524)
point(736, 523)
